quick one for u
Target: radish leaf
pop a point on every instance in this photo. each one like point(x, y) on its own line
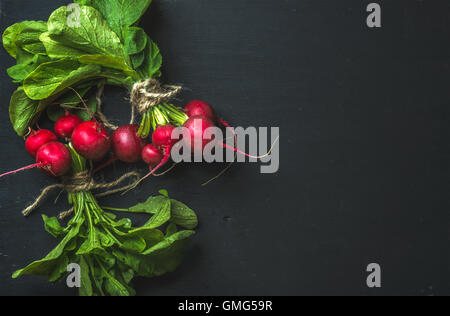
point(85, 280)
point(22, 111)
point(137, 59)
point(135, 40)
point(20, 71)
point(183, 216)
point(28, 38)
point(153, 61)
point(94, 36)
point(24, 36)
point(119, 13)
point(52, 226)
point(54, 77)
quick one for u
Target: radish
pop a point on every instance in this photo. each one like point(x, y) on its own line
point(37, 139)
point(162, 138)
point(66, 124)
point(151, 155)
point(53, 158)
point(127, 145)
point(202, 108)
point(199, 107)
point(163, 142)
point(197, 126)
point(91, 140)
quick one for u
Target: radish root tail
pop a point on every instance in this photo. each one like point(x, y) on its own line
point(251, 156)
point(152, 171)
point(36, 165)
point(225, 124)
point(240, 152)
point(167, 171)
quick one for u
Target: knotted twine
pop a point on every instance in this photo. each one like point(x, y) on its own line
point(144, 95)
point(80, 182)
point(149, 93)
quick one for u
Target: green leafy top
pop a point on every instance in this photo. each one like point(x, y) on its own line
point(111, 252)
point(23, 38)
point(93, 36)
point(120, 14)
point(106, 47)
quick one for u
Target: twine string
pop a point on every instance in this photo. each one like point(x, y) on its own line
point(83, 182)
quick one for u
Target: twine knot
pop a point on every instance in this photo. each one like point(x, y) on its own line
point(78, 182)
point(144, 95)
point(149, 93)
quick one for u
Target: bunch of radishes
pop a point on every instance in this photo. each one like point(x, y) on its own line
point(92, 141)
point(129, 147)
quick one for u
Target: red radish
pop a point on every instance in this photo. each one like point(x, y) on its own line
point(162, 140)
point(162, 136)
point(53, 158)
point(196, 125)
point(201, 110)
point(151, 155)
point(127, 145)
point(91, 140)
point(199, 107)
point(66, 124)
point(37, 139)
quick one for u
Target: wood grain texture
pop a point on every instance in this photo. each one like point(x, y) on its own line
point(364, 117)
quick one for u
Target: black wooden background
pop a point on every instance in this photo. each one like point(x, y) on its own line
point(364, 177)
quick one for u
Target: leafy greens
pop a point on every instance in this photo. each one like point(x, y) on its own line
point(106, 47)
